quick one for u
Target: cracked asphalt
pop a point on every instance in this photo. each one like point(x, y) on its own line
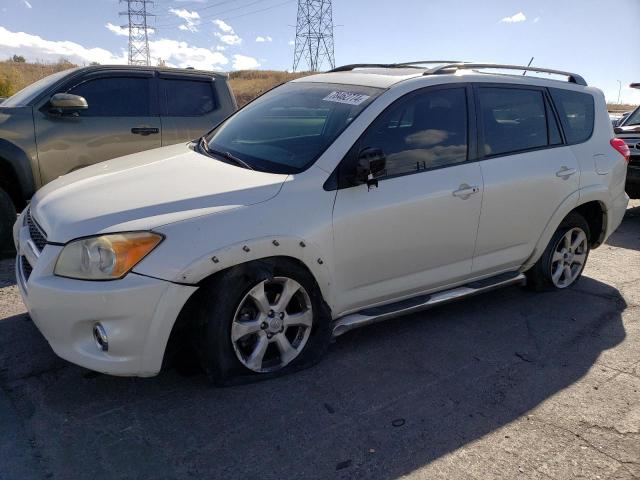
point(511, 384)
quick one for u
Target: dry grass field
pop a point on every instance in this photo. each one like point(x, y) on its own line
point(246, 84)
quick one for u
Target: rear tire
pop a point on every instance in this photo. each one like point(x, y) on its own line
point(564, 259)
point(247, 330)
point(7, 219)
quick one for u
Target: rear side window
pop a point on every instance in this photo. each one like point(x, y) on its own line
point(187, 98)
point(115, 97)
point(576, 111)
point(421, 131)
point(516, 120)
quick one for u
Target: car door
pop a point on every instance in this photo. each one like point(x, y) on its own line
point(417, 229)
point(121, 118)
point(528, 172)
point(189, 106)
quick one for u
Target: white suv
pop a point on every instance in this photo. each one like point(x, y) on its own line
point(328, 203)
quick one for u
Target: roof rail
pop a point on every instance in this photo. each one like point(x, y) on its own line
point(347, 68)
point(573, 77)
point(427, 62)
point(635, 85)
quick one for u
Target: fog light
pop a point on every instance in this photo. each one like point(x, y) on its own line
point(100, 336)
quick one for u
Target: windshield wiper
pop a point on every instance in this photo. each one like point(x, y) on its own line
point(204, 146)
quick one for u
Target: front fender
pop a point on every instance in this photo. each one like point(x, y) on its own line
point(13, 157)
point(303, 250)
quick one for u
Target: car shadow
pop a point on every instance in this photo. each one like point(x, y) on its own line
point(387, 399)
point(628, 233)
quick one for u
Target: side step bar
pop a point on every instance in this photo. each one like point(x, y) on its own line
point(423, 302)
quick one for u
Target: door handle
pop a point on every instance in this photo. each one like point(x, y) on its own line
point(565, 172)
point(465, 191)
point(144, 131)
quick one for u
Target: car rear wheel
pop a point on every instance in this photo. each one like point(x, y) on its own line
point(259, 321)
point(564, 259)
point(7, 219)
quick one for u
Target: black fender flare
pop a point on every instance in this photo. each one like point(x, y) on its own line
point(17, 161)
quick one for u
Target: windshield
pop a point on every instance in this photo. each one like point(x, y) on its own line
point(633, 119)
point(27, 94)
point(288, 128)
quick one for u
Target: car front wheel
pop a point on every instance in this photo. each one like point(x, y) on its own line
point(259, 321)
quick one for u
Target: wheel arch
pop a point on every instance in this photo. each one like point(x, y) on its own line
point(184, 320)
point(591, 206)
point(16, 171)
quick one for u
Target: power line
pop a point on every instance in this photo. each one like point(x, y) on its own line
point(314, 35)
point(218, 14)
point(138, 30)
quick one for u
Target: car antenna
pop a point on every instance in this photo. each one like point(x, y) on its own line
point(528, 65)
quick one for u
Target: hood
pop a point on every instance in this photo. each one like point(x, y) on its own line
point(145, 190)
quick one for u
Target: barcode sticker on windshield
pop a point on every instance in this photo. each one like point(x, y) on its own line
point(349, 98)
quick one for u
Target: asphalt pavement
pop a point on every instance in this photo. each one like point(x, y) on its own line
point(511, 384)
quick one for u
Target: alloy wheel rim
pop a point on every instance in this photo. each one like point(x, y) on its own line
point(569, 257)
point(271, 325)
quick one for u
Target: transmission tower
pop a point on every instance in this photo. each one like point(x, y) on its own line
point(314, 35)
point(138, 30)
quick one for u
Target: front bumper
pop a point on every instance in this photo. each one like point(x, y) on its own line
point(136, 312)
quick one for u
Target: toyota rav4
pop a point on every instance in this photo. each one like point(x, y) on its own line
point(330, 202)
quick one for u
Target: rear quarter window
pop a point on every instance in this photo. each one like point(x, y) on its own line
point(187, 98)
point(576, 110)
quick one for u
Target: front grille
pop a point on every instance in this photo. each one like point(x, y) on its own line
point(26, 268)
point(38, 236)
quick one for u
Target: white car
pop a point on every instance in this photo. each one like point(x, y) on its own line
point(328, 203)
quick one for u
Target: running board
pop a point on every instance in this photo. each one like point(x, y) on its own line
point(423, 302)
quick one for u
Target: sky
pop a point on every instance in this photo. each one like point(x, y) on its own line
point(595, 38)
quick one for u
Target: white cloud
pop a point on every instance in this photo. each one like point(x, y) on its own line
point(536, 20)
point(27, 4)
point(191, 19)
point(242, 62)
point(182, 54)
point(261, 39)
point(229, 39)
point(35, 47)
point(220, 48)
point(175, 53)
point(227, 34)
point(223, 26)
point(516, 18)
point(292, 43)
point(122, 32)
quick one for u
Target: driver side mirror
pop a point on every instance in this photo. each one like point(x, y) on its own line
point(371, 164)
point(67, 103)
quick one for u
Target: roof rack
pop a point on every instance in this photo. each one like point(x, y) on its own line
point(448, 68)
point(347, 68)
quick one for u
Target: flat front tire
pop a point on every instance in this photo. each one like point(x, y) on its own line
point(563, 261)
point(260, 320)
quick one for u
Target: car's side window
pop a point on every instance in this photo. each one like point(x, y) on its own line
point(515, 120)
point(576, 111)
point(115, 96)
point(424, 130)
point(187, 98)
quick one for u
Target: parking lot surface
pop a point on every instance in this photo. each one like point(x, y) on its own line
point(511, 384)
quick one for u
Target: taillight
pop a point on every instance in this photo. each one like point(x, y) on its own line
point(621, 147)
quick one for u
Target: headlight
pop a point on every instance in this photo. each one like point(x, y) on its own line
point(107, 257)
